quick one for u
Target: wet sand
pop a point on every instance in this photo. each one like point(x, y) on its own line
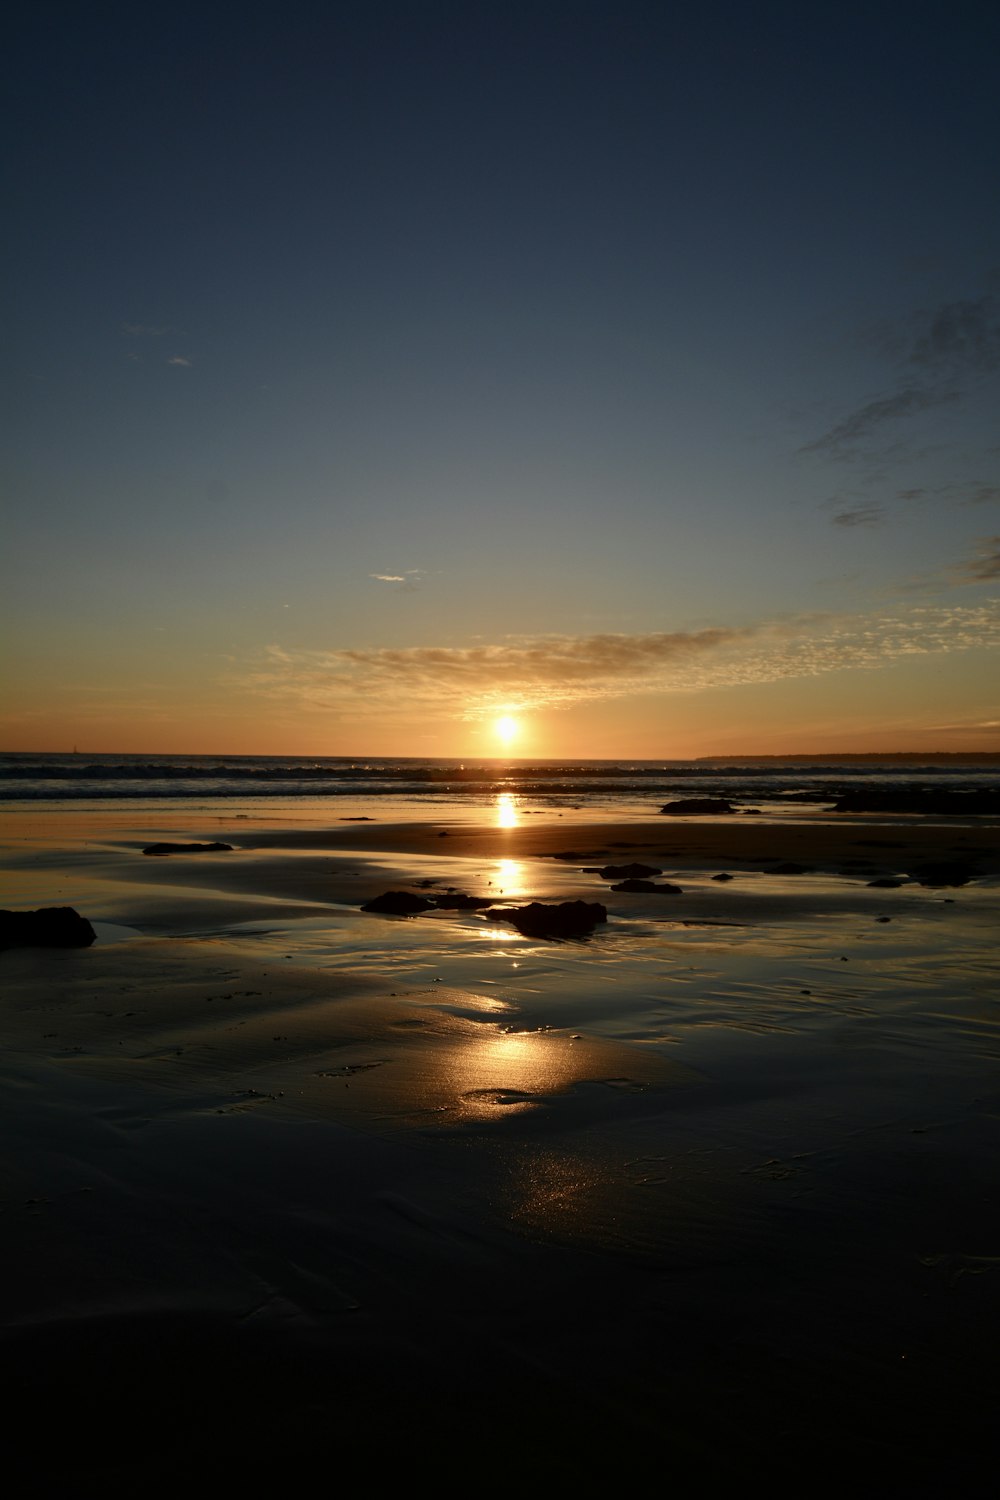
point(288, 1185)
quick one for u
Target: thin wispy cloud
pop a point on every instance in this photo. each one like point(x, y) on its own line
point(178, 359)
point(408, 581)
point(526, 673)
point(961, 492)
point(874, 414)
point(852, 509)
point(940, 353)
point(959, 338)
point(859, 515)
point(981, 494)
point(985, 566)
point(963, 726)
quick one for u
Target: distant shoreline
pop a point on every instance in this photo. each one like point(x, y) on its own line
point(868, 757)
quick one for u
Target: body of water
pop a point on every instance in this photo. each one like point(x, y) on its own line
point(638, 785)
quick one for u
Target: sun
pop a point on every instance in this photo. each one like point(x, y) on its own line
point(507, 729)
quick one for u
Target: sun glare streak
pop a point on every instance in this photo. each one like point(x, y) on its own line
point(510, 878)
point(506, 811)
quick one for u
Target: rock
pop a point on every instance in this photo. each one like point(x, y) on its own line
point(697, 805)
point(49, 927)
point(566, 920)
point(398, 904)
point(666, 889)
point(723, 875)
point(186, 848)
point(621, 872)
point(945, 872)
point(951, 802)
point(886, 883)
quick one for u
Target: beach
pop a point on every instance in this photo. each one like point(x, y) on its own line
point(289, 1184)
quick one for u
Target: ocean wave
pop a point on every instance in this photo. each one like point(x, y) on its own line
point(41, 777)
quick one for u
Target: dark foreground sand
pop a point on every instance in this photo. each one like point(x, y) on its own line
point(298, 1195)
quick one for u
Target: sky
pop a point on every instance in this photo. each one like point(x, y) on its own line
point(378, 371)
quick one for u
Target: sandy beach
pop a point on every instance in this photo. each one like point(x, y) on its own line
point(287, 1184)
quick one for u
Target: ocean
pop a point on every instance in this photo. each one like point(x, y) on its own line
point(404, 784)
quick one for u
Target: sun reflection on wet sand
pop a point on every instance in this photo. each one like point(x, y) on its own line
point(509, 880)
point(507, 811)
point(495, 1072)
point(474, 1069)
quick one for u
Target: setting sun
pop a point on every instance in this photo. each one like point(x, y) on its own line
point(506, 729)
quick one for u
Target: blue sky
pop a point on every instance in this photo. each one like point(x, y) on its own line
point(373, 369)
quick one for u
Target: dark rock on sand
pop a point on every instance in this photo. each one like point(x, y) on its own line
point(574, 856)
point(723, 875)
point(949, 802)
point(666, 889)
point(567, 920)
point(945, 872)
point(455, 901)
point(49, 927)
point(398, 904)
point(621, 872)
point(697, 805)
point(186, 848)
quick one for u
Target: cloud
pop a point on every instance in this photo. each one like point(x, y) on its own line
point(960, 492)
point(981, 494)
point(985, 567)
point(859, 515)
point(963, 726)
point(863, 422)
point(959, 338)
point(409, 579)
point(556, 672)
point(178, 359)
point(939, 352)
